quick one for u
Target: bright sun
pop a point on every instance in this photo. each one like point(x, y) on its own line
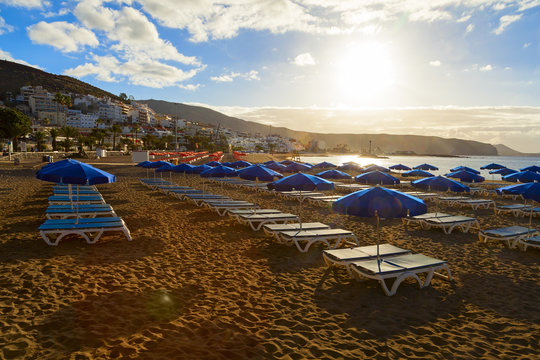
point(364, 72)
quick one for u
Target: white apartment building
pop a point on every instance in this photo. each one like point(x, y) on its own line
point(111, 111)
point(81, 121)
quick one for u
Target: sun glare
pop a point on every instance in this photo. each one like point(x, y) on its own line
point(364, 72)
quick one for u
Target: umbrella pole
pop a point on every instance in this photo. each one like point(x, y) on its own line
point(77, 206)
point(70, 197)
point(378, 237)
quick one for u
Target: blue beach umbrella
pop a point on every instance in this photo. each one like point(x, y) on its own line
point(399, 167)
point(334, 174)
point(275, 166)
point(301, 182)
point(350, 166)
point(459, 168)
point(296, 167)
point(286, 162)
point(324, 165)
point(466, 176)
point(213, 163)
point(492, 166)
point(375, 168)
point(503, 171)
point(523, 176)
point(143, 163)
point(57, 164)
point(165, 168)
point(417, 173)
point(425, 167)
point(258, 172)
point(376, 177)
point(226, 163)
point(156, 164)
point(440, 183)
point(529, 190)
point(379, 202)
point(183, 168)
point(532, 168)
point(200, 168)
point(219, 171)
point(240, 164)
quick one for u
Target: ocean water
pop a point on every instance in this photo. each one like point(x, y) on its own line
point(443, 163)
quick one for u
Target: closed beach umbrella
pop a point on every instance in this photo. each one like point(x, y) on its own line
point(399, 167)
point(258, 172)
point(466, 176)
point(523, 176)
point(459, 168)
point(334, 174)
point(492, 166)
point(440, 183)
point(503, 171)
point(219, 171)
point(379, 202)
point(417, 173)
point(240, 164)
point(324, 165)
point(532, 168)
point(276, 166)
point(301, 182)
point(296, 167)
point(426, 167)
point(376, 177)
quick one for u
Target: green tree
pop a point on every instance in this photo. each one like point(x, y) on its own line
point(40, 137)
point(99, 135)
point(123, 97)
point(115, 130)
point(53, 133)
point(58, 99)
point(13, 124)
point(69, 133)
point(137, 130)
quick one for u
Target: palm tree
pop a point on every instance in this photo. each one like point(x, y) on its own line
point(69, 132)
point(115, 130)
point(66, 102)
point(40, 137)
point(53, 133)
point(99, 135)
point(58, 99)
point(137, 129)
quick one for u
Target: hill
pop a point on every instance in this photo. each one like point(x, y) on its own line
point(387, 143)
point(13, 76)
point(504, 150)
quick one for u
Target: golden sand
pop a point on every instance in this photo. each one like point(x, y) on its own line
point(193, 285)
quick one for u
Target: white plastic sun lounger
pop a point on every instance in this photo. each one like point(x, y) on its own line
point(256, 221)
point(74, 192)
point(476, 204)
point(83, 199)
point(180, 194)
point(527, 212)
point(199, 199)
point(221, 207)
point(83, 211)
point(418, 219)
point(275, 229)
point(237, 213)
point(511, 235)
point(400, 268)
point(91, 229)
point(477, 190)
point(451, 200)
point(449, 223)
point(525, 242)
point(73, 187)
point(514, 209)
point(323, 200)
point(303, 239)
point(422, 195)
point(344, 257)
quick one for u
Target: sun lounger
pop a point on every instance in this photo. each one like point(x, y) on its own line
point(84, 211)
point(303, 239)
point(514, 209)
point(400, 268)
point(74, 192)
point(344, 257)
point(527, 211)
point(236, 213)
point(198, 199)
point(221, 207)
point(180, 194)
point(354, 187)
point(449, 223)
point(275, 229)
point(256, 221)
point(323, 200)
point(91, 229)
point(73, 187)
point(418, 219)
point(84, 199)
point(525, 242)
point(477, 190)
point(511, 235)
point(451, 200)
point(476, 203)
point(295, 194)
point(422, 195)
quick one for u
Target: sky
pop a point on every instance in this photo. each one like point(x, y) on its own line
point(453, 68)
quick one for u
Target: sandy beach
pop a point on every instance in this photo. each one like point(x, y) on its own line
point(194, 285)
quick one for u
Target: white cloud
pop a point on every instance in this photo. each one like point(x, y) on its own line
point(4, 55)
point(144, 73)
point(435, 63)
point(250, 75)
point(488, 67)
point(50, 14)
point(469, 28)
point(304, 59)
point(464, 18)
point(526, 45)
point(26, 3)
point(4, 28)
point(62, 35)
point(506, 20)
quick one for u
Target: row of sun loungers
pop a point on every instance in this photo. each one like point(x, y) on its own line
point(85, 215)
